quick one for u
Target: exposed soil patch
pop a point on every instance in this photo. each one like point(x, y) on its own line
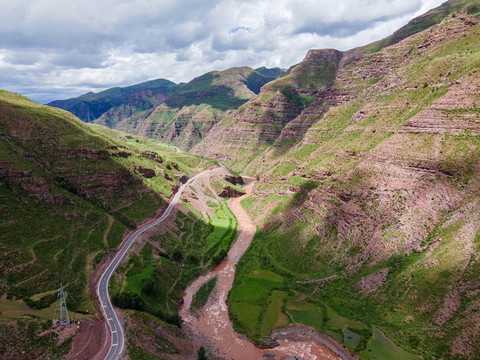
point(371, 283)
point(91, 342)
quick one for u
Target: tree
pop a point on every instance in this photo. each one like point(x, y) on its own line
point(201, 353)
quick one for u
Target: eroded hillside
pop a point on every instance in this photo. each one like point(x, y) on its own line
point(68, 193)
point(180, 114)
point(368, 212)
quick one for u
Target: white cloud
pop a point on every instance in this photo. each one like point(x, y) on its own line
point(51, 49)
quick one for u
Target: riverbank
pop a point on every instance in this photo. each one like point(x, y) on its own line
point(212, 327)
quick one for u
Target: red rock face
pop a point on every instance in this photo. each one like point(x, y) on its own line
point(397, 184)
point(148, 173)
point(35, 186)
point(283, 123)
point(229, 192)
point(85, 153)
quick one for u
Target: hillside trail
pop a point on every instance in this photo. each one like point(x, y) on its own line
point(212, 324)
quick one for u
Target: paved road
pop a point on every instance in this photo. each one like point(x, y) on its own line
point(118, 340)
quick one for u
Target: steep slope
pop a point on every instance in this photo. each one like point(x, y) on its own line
point(136, 98)
point(424, 22)
point(369, 222)
point(187, 116)
point(286, 108)
point(264, 120)
point(68, 192)
point(179, 114)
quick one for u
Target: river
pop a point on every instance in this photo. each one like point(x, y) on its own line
point(213, 323)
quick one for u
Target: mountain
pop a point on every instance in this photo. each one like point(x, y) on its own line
point(68, 193)
point(424, 22)
point(272, 118)
point(368, 194)
point(178, 114)
point(140, 97)
point(366, 202)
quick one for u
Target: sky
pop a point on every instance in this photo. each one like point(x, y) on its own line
point(57, 49)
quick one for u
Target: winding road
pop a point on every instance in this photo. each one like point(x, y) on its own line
point(116, 330)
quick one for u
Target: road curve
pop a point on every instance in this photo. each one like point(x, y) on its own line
point(116, 330)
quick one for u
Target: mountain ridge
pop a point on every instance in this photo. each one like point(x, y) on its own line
point(366, 201)
point(134, 108)
point(369, 213)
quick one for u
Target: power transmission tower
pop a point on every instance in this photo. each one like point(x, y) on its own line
point(64, 319)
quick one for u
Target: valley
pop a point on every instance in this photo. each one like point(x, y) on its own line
point(327, 211)
point(213, 324)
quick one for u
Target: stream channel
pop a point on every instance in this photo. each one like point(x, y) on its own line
point(212, 324)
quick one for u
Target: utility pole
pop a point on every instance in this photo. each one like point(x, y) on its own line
point(64, 319)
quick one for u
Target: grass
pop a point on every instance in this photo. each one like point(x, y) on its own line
point(134, 282)
point(380, 347)
point(246, 317)
point(258, 288)
point(433, 17)
point(308, 317)
point(352, 339)
point(337, 322)
point(265, 275)
point(253, 290)
point(21, 339)
point(70, 192)
point(201, 296)
point(224, 232)
point(145, 328)
point(193, 244)
point(12, 310)
point(273, 316)
point(221, 227)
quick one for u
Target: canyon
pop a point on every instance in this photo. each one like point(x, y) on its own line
point(342, 211)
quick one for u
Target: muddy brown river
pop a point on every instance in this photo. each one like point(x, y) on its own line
point(213, 323)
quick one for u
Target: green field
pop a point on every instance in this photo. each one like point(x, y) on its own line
point(258, 288)
point(380, 347)
point(201, 296)
point(273, 316)
point(253, 290)
point(155, 280)
point(134, 282)
point(307, 317)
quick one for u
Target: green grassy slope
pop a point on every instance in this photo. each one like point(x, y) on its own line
point(160, 267)
point(68, 193)
point(186, 116)
point(424, 22)
point(268, 120)
point(91, 106)
point(182, 122)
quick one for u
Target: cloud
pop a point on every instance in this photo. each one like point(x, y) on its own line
point(52, 49)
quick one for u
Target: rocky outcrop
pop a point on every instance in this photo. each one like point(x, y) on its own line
point(148, 173)
point(35, 186)
point(235, 180)
point(229, 192)
point(182, 178)
point(95, 184)
point(152, 156)
point(85, 153)
point(265, 119)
